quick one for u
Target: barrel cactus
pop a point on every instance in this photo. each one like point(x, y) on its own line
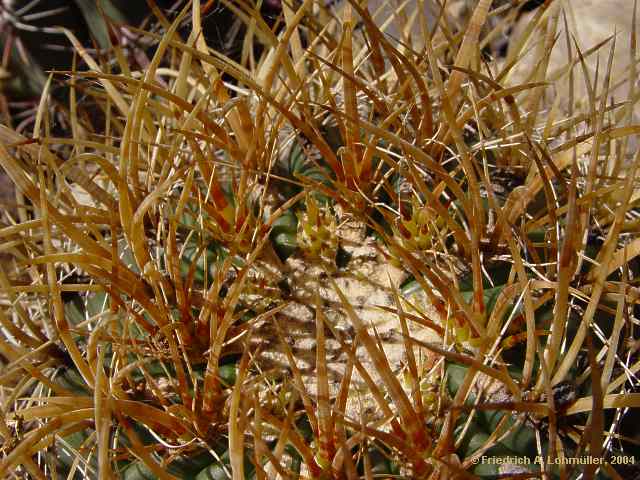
point(357, 247)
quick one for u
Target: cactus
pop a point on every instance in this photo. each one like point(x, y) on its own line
point(308, 263)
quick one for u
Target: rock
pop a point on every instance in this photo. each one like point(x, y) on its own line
point(590, 22)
